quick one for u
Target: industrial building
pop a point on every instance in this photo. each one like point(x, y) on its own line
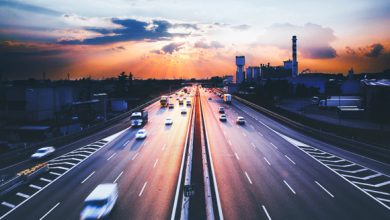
point(240, 63)
point(252, 73)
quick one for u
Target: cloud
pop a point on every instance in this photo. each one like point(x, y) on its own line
point(169, 48)
point(28, 7)
point(313, 40)
point(131, 30)
point(205, 45)
point(241, 27)
point(374, 50)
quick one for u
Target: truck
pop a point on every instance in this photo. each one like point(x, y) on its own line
point(164, 101)
point(139, 118)
point(340, 101)
point(227, 98)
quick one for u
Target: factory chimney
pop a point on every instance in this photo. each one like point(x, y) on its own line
point(294, 68)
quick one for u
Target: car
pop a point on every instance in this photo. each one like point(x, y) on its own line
point(188, 102)
point(183, 111)
point(222, 117)
point(181, 102)
point(141, 134)
point(171, 105)
point(43, 153)
point(185, 98)
point(221, 110)
point(210, 98)
point(168, 121)
point(100, 202)
point(240, 120)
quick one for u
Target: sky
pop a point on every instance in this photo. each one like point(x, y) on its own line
point(188, 38)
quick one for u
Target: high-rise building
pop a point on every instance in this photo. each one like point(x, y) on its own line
point(240, 63)
point(294, 69)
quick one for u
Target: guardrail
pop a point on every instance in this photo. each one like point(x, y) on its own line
point(23, 177)
point(374, 151)
point(23, 152)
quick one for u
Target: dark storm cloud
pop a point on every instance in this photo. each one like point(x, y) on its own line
point(375, 50)
point(28, 7)
point(131, 30)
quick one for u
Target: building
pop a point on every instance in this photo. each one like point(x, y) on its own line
point(249, 74)
point(228, 79)
point(252, 73)
point(287, 64)
point(376, 99)
point(240, 63)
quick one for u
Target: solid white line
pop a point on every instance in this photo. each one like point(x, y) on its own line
point(116, 179)
point(324, 189)
point(142, 190)
point(243, 133)
point(9, 205)
point(274, 145)
point(54, 173)
point(163, 147)
point(35, 186)
point(135, 156)
point(111, 156)
point(254, 146)
point(88, 177)
point(155, 163)
point(247, 176)
point(364, 178)
point(49, 211)
point(289, 186)
point(46, 180)
point(22, 195)
point(126, 143)
point(260, 133)
point(266, 212)
point(379, 192)
point(267, 161)
point(289, 159)
point(238, 158)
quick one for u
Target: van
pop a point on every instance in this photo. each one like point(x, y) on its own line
point(100, 201)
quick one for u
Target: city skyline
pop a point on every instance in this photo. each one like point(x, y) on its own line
point(171, 39)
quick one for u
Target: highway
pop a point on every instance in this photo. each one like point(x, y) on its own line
point(145, 170)
point(263, 169)
point(261, 175)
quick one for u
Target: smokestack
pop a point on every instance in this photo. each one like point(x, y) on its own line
point(294, 69)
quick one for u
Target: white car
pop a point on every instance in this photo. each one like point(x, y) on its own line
point(168, 121)
point(141, 134)
point(43, 152)
point(183, 111)
point(100, 202)
point(240, 120)
point(222, 117)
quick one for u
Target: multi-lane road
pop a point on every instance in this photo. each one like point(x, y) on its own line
point(263, 170)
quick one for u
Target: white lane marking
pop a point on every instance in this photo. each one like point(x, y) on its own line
point(373, 185)
point(267, 161)
point(254, 146)
point(44, 179)
point(363, 178)
point(135, 156)
point(243, 133)
point(290, 159)
point(247, 176)
point(125, 144)
point(266, 212)
point(116, 179)
point(163, 147)
point(235, 154)
point(142, 190)
point(324, 189)
point(378, 192)
point(22, 195)
point(351, 171)
point(88, 177)
point(155, 163)
point(61, 168)
point(384, 200)
point(260, 133)
point(9, 205)
point(230, 143)
point(54, 173)
point(35, 186)
point(289, 186)
point(252, 127)
point(144, 143)
point(111, 156)
point(49, 211)
point(273, 145)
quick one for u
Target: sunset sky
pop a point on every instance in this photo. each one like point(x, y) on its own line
point(188, 38)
